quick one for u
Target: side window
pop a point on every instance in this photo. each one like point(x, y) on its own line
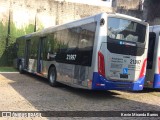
point(86, 36)
point(64, 41)
point(58, 41)
point(52, 43)
point(74, 45)
point(73, 38)
point(51, 46)
point(85, 44)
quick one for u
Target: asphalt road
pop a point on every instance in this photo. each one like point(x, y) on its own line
point(27, 92)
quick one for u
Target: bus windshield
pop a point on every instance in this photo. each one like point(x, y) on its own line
point(122, 29)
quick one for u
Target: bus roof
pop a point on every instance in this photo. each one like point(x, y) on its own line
point(129, 17)
point(76, 22)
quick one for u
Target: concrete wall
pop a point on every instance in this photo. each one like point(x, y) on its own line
point(50, 12)
point(128, 4)
point(129, 7)
point(20, 17)
point(148, 11)
point(151, 11)
point(106, 3)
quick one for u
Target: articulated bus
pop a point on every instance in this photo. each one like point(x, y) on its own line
point(101, 52)
point(153, 62)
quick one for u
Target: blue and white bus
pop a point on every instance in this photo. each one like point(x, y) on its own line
point(153, 63)
point(100, 52)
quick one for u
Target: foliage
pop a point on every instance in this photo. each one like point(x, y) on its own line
point(7, 52)
point(7, 69)
point(3, 36)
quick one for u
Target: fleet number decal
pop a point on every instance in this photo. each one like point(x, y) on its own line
point(135, 61)
point(71, 57)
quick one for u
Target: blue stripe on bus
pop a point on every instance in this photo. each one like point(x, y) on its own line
point(101, 83)
point(156, 82)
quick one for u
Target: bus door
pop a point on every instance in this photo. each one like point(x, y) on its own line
point(40, 54)
point(150, 61)
point(27, 53)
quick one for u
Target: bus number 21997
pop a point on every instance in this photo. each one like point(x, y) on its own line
point(71, 57)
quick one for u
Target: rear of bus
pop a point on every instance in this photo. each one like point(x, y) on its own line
point(122, 53)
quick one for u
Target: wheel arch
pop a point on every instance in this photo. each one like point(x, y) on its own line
point(52, 83)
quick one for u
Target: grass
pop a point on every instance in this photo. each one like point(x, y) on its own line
point(7, 69)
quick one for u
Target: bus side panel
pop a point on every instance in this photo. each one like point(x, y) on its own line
point(65, 72)
point(72, 74)
point(156, 83)
point(72, 50)
point(81, 75)
point(75, 58)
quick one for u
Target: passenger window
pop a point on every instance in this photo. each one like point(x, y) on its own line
point(86, 36)
point(73, 38)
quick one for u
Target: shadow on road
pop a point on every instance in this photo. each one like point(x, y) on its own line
point(80, 92)
point(37, 91)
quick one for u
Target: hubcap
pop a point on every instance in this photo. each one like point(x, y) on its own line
point(52, 77)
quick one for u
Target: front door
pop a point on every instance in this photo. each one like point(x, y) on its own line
point(27, 53)
point(40, 54)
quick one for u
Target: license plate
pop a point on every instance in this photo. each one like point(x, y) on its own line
point(123, 76)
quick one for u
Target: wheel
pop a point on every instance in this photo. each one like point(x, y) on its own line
point(52, 76)
point(20, 68)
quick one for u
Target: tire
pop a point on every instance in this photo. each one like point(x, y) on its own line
point(20, 68)
point(52, 77)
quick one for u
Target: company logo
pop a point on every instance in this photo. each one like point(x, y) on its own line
point(127, 43)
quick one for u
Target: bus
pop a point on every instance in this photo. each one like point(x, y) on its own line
point(101, 52)
point(153, 62)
